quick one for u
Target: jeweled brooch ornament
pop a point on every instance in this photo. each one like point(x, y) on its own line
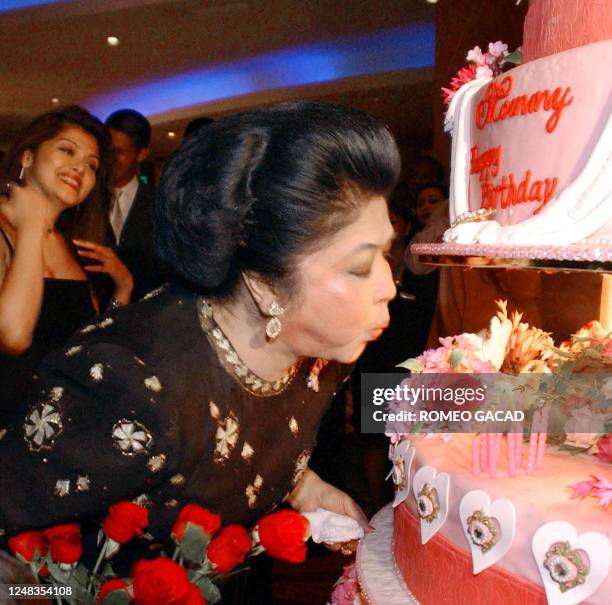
point(567, 567)
point(484, 531)
point(428, 505)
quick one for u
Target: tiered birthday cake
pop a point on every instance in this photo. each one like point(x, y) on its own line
point(532, 147)
point(506, 518)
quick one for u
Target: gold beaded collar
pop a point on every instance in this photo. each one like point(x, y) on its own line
point(230, 360)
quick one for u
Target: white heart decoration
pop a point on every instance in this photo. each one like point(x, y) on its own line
point(401, 456)
point(503, 512)
point(441, 483)
point(595, 544)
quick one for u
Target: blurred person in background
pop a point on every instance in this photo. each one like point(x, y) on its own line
point(57, 178)
point(132, 212)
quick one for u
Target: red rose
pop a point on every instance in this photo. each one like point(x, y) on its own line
point(65, 542)
point(203, 518)
point(283, 535)
point(163, 582)
point(111, 586)
point(125, 520)
point(24, 545)
point(229, 548)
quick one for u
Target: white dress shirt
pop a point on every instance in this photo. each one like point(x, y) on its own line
point(123, 199)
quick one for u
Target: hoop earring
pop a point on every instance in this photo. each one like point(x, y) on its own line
point(274, 326)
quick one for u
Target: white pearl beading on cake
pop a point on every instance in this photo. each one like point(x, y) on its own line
point(472, 216)
point(588, 252)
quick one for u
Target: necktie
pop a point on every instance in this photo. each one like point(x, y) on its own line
point(116, 216)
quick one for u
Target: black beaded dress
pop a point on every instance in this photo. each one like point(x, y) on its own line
point(66, 306)
point(151, 403)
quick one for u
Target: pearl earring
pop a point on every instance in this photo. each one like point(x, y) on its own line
point(274, 326)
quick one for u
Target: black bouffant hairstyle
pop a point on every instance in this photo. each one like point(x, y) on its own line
point(255, 191)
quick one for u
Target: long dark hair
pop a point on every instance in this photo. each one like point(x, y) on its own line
point(88, 220)
point(254, 191)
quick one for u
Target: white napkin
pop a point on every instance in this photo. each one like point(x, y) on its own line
point(327, 526)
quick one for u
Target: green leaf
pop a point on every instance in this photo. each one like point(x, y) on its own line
point(117, 597)
point(79, 594)
point(455, 358)
point(195, 543)
point(516, 57)
point(592, 353)
point(209, 591)
point(81, 575)
point(108, 572)
point(58, 574)
point(414, 365)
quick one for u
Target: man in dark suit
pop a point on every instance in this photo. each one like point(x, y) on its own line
point(132, 214)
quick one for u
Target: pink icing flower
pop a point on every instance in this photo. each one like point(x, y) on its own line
point(345, 589)
point(604, 495)
point(498, 49)
point(582, 489)
point(604, 484)
point(475, 56)
point(484, 71)
point(604, 448)
point(463, 76)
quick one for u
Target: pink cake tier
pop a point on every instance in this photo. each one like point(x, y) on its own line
point(555, 25)
point(533, 148)
point(441, 570)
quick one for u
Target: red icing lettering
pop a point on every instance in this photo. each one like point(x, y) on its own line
point(507, 193)
point(487, 164)
point(489, 111)
point(559, 103)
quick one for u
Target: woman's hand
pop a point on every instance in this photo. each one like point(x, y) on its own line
point(27, 209)
point(312, 493)
point(108, 262)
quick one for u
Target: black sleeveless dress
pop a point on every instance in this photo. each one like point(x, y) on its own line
point(66, 306)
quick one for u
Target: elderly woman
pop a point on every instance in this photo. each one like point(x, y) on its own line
point(275, 229)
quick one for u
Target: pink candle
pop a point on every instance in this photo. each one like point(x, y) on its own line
point(492, 456)
point(476, 455)
point(519, 444)
point(542, 439)
point(483, 452)
point(498, 441)
point(531, 459)
point(511, 455)
point(540, 452)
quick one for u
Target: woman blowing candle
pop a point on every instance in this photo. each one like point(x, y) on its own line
point(274, 227)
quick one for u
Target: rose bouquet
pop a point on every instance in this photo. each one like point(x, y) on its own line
point(205, 553)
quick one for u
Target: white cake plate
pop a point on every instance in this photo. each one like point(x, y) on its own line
point(380, 581)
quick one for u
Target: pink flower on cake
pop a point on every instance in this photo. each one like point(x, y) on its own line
point(475, 56)
point(483, 65)
point(582, 489)
point(603, 491)
point(463, 76)
point(346, 589)
point(484, 71)
point(498, 49)
point(596, 487)
point(604, 448)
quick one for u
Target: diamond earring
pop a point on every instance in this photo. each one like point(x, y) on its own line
point(274, 326)
point(21, 173)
